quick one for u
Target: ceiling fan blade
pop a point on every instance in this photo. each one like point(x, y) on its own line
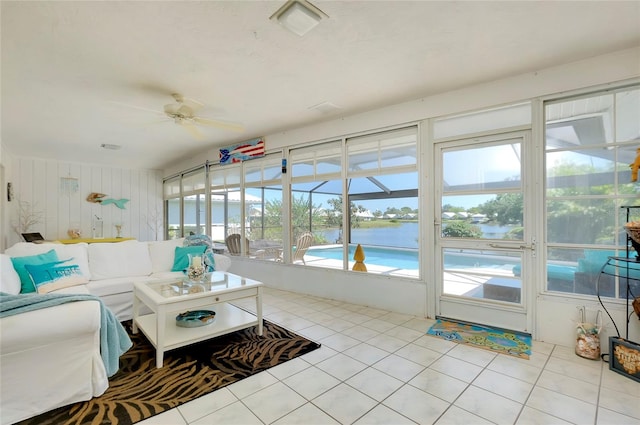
point(135, 107)
point(171, 108)
point(192, 129)
point(225, 125)
point(192, 104)
point(185, 111)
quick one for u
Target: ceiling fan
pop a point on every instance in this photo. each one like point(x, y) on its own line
point(183, 112)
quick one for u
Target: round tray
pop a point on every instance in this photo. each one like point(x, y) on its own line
point(196, 318)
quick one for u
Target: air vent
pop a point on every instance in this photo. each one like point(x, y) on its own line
point(110, 147)
point(324, 107)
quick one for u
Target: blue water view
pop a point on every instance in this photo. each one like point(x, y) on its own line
point(403, 236)
point(397, 247)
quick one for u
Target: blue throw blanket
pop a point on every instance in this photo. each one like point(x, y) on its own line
point(114, 340)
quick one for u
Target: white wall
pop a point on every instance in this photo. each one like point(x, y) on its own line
point(38, 181)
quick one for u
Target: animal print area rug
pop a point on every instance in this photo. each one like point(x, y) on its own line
point(139, 390)
point(514, 343)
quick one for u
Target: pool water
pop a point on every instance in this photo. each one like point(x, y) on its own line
point(408, 258)
point(396, 258)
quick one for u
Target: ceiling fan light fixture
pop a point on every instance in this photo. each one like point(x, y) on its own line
point(298, 16)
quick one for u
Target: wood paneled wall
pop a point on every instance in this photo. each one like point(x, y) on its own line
point(38, 181)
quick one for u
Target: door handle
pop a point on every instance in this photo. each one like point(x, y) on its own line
point(495, 245)
point(531, 246)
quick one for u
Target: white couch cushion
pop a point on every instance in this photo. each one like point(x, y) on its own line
point(77, 252)
point(9, 279)
point(162, 253)
point(117, 285)
point(223, 263)
point(120, 259)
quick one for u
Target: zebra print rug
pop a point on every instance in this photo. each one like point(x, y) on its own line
point(139, 390)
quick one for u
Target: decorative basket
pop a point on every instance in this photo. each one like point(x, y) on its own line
point(633, 230)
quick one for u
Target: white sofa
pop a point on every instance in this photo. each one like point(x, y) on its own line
point(51, 357)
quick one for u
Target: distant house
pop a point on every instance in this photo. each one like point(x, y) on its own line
point(479, 218)
point(365, 215)
point(448, 215)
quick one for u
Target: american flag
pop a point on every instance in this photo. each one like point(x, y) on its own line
point(242, 152)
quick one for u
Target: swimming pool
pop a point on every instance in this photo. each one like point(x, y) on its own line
point(389, 257)
point(402, 258)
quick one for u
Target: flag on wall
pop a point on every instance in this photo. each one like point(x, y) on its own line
point(242, 152)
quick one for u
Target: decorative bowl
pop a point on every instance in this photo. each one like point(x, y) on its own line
point(196, 318)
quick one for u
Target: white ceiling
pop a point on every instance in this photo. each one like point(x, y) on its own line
point(73, 73)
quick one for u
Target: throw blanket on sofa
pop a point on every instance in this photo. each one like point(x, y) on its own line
point(114, 340)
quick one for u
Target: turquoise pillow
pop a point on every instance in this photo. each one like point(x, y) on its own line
point(181, 256)
point(19, 264)
point(48, 277)
point(209, 260)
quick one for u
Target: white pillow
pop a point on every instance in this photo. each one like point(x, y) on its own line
point(162, 253)
point(119, 259)
point(77, 252)
point(9, 279)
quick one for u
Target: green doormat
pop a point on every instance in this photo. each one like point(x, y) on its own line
point(139, 390)
point(514, 343)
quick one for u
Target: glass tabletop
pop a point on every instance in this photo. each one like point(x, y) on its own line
point(213, 282)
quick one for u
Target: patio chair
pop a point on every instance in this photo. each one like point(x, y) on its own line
point(302, 245)
point(234, 243)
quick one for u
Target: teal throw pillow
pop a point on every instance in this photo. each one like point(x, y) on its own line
point(181, 256)
point(209, 260)
point(19, 264)
point(48, 277)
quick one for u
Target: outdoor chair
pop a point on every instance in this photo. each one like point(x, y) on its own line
point(302, 245)
point(234, 243)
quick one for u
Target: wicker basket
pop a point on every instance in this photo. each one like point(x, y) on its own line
point(633, 230)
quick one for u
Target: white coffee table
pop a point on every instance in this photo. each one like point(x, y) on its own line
point(168, 298)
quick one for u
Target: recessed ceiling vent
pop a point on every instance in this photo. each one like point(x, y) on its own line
point(324, 107)
point(298, 16)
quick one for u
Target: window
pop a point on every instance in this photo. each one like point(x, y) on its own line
point(363, 191)
point(185, 204)
point(173, 208)
point(590, 142)
point(194, 208)
point(263, 214)
point(382, 199)
point(226, 207)
point(316, 202)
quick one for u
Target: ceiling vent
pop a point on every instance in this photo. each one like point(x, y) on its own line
point(298, 16)
point(324, 107)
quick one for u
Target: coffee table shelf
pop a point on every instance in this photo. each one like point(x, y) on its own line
point(229, 318)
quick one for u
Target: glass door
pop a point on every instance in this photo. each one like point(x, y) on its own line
point(484, 242)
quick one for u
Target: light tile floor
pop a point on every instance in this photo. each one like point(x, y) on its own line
point(379, 367)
